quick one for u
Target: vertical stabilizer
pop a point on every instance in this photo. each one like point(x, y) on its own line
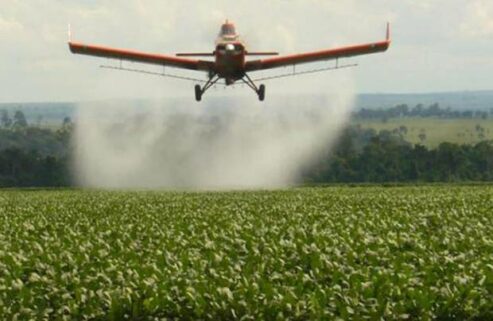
point(69, 33)
point(388, 35)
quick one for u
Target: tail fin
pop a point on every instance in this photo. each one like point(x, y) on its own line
point(388, 35)
point(69, 32)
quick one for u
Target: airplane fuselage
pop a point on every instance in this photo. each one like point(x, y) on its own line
point(230, 54)
point(230, 61)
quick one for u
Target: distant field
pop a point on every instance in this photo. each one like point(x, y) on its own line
point(461, 131)
point(365, 253)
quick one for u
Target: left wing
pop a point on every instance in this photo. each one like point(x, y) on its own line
point(315, 56)
point(136, 56)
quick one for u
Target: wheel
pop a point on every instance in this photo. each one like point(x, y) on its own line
point(261, 93)
point(198, 93)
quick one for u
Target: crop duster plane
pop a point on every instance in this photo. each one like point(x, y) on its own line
point(230, 60)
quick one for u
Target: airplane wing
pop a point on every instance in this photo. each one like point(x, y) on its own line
point(329, 54)
point(136, 56)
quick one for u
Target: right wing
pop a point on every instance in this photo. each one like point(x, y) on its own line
point(136, 56)
point(328, 54)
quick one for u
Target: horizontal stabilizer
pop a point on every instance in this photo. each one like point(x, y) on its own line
point(195, 54)
point(260, 53)
point(211, 54)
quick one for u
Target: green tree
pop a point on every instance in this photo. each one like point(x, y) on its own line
point(66, 122)
point(20, 120)
point(5, 119)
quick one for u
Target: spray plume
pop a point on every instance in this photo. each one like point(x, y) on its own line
point(222, 144)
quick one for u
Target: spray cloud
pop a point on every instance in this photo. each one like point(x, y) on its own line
point(225, 143)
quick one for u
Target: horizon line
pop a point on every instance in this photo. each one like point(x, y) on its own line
point(418, 93)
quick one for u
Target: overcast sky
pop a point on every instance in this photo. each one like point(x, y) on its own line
point(438, 45)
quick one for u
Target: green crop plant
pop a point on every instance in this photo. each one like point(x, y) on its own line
point(336, 253)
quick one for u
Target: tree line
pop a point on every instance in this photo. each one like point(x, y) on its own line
point(365, 156)
point(433, 110)
point(40, 157)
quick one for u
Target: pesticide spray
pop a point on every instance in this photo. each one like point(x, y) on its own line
point(222, 143)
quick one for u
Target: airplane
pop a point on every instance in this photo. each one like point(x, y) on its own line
point(230, 61)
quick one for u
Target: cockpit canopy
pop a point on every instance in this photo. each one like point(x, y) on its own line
point(227, 33)
point(227, 29)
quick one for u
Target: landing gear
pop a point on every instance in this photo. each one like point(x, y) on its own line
point(213, 79)
point(199, 91)
point(260, 91)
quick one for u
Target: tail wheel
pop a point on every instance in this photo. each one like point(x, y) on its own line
point(198, 93)
point(261, 92)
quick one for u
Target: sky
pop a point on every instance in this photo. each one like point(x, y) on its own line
point(438, 45)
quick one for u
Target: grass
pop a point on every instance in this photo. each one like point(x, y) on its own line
point(460, 131)
point(416, 252)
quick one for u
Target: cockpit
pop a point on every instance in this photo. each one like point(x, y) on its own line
point(228, 29)
point(227, 33)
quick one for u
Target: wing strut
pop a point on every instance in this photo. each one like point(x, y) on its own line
point(162, 74)
point(312, 71)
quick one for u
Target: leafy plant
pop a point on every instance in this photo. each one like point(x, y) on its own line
point(302, 254)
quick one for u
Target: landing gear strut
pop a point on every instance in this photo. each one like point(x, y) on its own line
point(213, 79)
point(199, 91)
point(260, 91)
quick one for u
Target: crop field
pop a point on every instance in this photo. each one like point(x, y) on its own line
point(433, 131)
point(335, 253)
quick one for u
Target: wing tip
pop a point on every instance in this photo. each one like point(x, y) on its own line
point(71, 44)
point(74, 47)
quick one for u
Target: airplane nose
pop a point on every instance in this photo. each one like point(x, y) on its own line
point(230, 47)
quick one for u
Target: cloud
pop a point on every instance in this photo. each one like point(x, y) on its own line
point(479, 19)
point(9, 26)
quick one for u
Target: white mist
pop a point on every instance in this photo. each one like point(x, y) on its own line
point(217, 144)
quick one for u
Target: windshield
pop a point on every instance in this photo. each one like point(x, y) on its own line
point(228, 29)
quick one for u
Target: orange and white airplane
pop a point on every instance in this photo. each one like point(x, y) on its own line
point(230, 61)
